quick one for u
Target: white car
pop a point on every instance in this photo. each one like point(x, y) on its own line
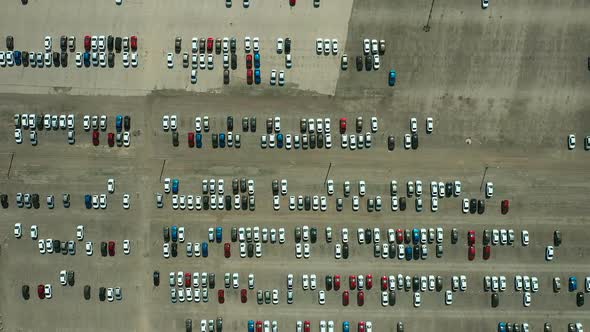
point(89, 249)
point(549, 253)
point(322, 297)
point(111, 186)
point(306, 250)
point(34, 232)
point(344, 234)
point(18, 136)
point(434, 204)
point(280, 44)
point(465, 205)
point(103, 201)
point(198, 127)
point(170, 60)
point(457, 188)
point(489, 190)
point(276, 203)
point(273, 77)
point(319, 46)
point(126, 247)
point(334, 46)
point(126, 139)
point(80, 232)
point(247, 44)
point(41, 245)
point(173, 122)
point(429, 125)
point(407, 141)
point(525, 237)
point(485, 4)
point(330, 186)
point(526, 299)
point(256, 44)
point(366, 46)
point(448, 297)
point(18, 230)
point(355, 203)
point(374, 46)
point(417, 299)
point(284, 187)
point(126, 202)
point(362, 188)
point(376, 62)
point(413, 125)
point(463, 283)
point(571, 141)
point(47, 44)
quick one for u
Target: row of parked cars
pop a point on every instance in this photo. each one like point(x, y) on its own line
point(212, 186)
point(571, 142)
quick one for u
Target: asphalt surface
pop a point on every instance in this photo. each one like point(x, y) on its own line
point(511, 86)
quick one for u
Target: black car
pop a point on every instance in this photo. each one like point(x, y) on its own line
point(227, 202)
point(269, 126)
point(313, 234)
point(177, 45)
point(156, 278)
point(25, 58)
point(63, 43)
point(400, 326)
point(449, 189)
point(439, 250)
point(103, 249)
point(481, 206)
point(218, 46)
point(516, 327)
point(118, 42)
point(407, 236)
point(402, 204)
point(243, 185)
point(472, 205)
point(414, 141)
point(189, 325)
point(328, 282)
point(320, 140)
point(439, 283)
point(275, 187)
point(174, 249)
point(307, 203)
point(175, 138)
point(486, 237)
point(215, 141)
point(556, 238)
point(580, 299)
point(219, 324)
point(64, 59)
point(368, 62)
point(454, 236)
point(10, 43)
point(206, 202)
point(64, 248)
point(391, 143)
point(392, 253)
point(392, 298)
point(111, 59)
point(57, 246)
point(547, 327)
point(345, 250)
point(312, 141)
point(166, 232)
point(110, 41)
point(211, 280)
point(230, 123)
point(56, 58)
point(416, 283)
point(253, 124)
point(250, 250)
point(102, 293)
point(377, 250)
point(25, 291)
point(359, 63)
point(368, 235)
point(202, 45)
point(35, 199)
point(4, 200)
point(416, 252)
point(234, 234)
point(287, 45)
point(127, 123)
point(39, 122)
point(232, 45)
point(71, 278)
point(297, 234)
point(495, 300)
point(87, 292)
point(234, 61)
point(225, 76)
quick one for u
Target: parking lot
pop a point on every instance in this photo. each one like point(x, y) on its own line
point(504, 92)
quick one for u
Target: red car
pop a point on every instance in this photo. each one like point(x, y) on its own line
point(384, 283)
point(210, 44)
point(134, 43)
point(471, 237)
point(227, 250)
point(471, 253)
point(41, 291)
point(337, 282)
point(87, 43)
point(345, 298)
point(249, 61)
point(244, 295)
point(292, 2)
point(505, 206)
point(191, 140)
point(221, 296)
point(111, 139)
point(360, 298)
point(306, 326)
point(342, 125)
point(95, 138)
point(249, 76)
point(486, 252)
point(259, 326)
point(111, 248)
point(352, 282)
point(187, 279)
point(362, 326)
point(400, 236)
point(369, 281)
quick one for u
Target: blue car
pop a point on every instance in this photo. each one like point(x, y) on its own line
point(250, 326)
point(218, 234)
point(199, 141)
point(205, 249)
point(279, 140)
point(174, 230)
point(88, 201)
point(17, 58)
point(175, 184)
point(416, 235)
point(119, 123)
point(501, 327)
point(222, 140)
point(409, 253)
point(392, 77)
point(257, 76)
point(346, 326)
point(257, 60)
point(573, 284)
point(86, 59)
